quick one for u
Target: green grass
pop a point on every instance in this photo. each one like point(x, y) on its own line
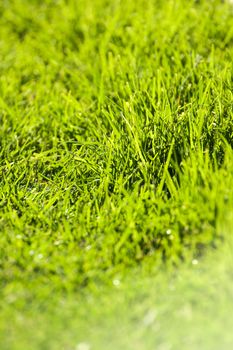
point(189, 308)
point(116, 135)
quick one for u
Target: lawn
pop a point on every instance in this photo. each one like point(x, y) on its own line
point(116, 171)
point(190, 308)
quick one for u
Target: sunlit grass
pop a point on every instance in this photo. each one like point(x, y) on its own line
point(116, 136)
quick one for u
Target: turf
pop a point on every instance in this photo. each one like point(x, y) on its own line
point(189, 308)
point(116, 140)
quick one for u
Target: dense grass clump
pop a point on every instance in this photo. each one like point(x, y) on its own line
point(116, 136)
